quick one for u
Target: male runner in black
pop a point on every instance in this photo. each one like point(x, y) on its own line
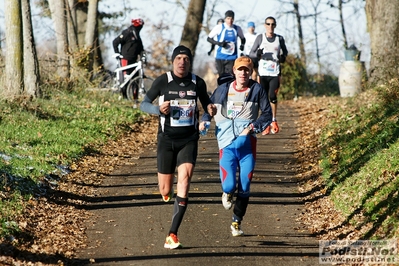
point(178, 135)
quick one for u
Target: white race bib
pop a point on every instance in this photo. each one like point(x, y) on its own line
point(268, 68)
point(182, 112)
point(234, 108)
point(229, 50)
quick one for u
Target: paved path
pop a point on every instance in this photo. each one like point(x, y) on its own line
point(131, 221)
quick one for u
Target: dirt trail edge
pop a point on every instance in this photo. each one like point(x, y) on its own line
point(130, 220)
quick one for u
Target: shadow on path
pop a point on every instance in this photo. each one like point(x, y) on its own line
point(131, 221)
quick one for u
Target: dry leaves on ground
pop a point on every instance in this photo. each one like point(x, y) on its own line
point(320, 216)
point(53, 224)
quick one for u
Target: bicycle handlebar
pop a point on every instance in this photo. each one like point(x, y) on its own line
point(129, 66)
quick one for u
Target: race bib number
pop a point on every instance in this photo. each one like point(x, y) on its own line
point(182, 112)
point(234, 108)
point(268, 68)
point(229, 50)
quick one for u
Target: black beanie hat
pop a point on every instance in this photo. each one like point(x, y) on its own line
point(181, 49)
point(229, 13)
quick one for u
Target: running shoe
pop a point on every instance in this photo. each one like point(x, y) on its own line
point(236, 229)
point(227, 200)
point(168, 197)
point(172, 242)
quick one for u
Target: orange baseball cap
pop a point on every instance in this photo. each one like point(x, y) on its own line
point(243, 61)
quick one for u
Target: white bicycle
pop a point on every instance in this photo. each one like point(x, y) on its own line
point(132, 86)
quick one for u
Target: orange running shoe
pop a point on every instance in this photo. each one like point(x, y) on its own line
point(172, 242)
point(168, 197)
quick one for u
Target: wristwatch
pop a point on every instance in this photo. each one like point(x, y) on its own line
point(250, 127)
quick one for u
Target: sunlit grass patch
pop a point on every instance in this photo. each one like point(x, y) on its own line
point(360, 147)
point(39, 136)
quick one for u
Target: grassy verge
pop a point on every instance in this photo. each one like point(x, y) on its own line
point(359, 161)
point(40, 139)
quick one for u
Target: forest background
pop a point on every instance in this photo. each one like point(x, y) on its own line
point(50, 120)
point(317, 32)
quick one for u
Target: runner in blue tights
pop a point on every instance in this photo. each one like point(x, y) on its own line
point(237, 119)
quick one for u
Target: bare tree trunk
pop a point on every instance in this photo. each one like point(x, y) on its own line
point(383, 27)
point(91, 27)
point(316, 36)
point(300, 34)
point(193, 24)
point(98, 58)
point(72, 37)
point(14, 67)
point(58, 14)
point(81, 9)
point(341, 20)
point(31, 64)
point(302, 52)
point(71, 24)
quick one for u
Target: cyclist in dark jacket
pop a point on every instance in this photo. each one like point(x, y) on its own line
point(130, 42)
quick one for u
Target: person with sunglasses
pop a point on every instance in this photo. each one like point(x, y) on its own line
point(271, 51)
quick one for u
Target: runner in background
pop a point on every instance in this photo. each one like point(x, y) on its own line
point(225, 36)
point(220, 21)
point(271, 51)
point(250, 37)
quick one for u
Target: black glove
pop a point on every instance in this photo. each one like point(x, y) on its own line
point(259, 53)
point(223, 44)
point(117, 55)
point(282, 58)
point(268, 56)
point(242, 47)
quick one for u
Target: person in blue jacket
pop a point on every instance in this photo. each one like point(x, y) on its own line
point(225, 37)
point(243, 110)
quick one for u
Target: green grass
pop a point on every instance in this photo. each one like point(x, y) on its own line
point(360, 160)
point(37, 136)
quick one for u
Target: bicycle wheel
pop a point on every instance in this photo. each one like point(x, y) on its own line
point(147, 85)
point(133, 88)
point(147, 82)
point(138, 87)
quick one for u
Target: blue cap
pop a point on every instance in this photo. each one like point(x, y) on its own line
point(251, 24)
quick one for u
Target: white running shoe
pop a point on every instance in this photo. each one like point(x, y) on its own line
point(236, 229)
point(227, 200)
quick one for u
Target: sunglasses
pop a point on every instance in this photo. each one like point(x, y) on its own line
point(273, 24)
